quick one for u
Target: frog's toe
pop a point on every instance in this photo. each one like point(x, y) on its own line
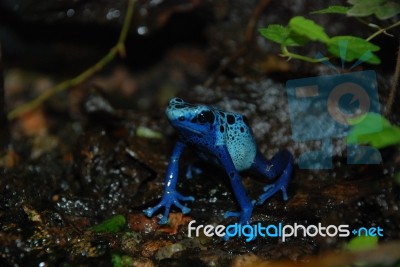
point(163, 203)
point(150, 211)
point(268, 192)
point(229, 214)
point(184, 209)
point(269, 188)
point(192, 170)
point(284, 193)
point(163, 220)
point(169, 199)
point(262, 198)
point(244, 216)
point(184, 198)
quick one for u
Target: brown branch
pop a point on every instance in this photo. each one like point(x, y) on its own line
point(119, 48)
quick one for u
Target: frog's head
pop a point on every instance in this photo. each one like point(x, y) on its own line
point(188, 118)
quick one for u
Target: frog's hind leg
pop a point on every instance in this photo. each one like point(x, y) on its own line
point(245, 204)
point(280, 166)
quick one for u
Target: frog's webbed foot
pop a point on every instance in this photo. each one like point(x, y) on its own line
point(244, 219)
point(281, 166)
point(168, 199)
point(270, 190)
point(244, 215)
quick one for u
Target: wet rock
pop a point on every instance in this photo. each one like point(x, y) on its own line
point(140, 223)
point(151, 247)
point(109, 176)
point(168, 251)
point(97, 105)
point(130, 242)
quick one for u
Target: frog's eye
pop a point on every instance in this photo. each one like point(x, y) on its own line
point(205, 116)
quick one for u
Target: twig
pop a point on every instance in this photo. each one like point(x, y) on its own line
point(119, 48)
point(383, 30)
point(395, 84)
point(290, 55)
point(248, 38)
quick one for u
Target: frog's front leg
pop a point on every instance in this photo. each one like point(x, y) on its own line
point(171, 196)
point(281, 165)
point(238, 189)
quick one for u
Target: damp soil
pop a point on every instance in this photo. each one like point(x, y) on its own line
point(101, 149)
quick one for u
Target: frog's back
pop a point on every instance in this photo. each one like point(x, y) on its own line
point(238, 138)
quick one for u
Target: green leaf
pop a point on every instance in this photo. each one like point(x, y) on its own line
point(281, 35)
point(356, 49)
point(383, 9)
point(332, 10)
point(308, 28)
point(374, 130)
point(275, 32)
point(112, 225)
point(388, 10)
point(362, 243)
point(295, 39)
point(361, 10)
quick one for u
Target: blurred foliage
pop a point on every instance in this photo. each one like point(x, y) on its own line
point(112, 225)
point(362, 243)
point(301, 31)
point(145, 132)
point(382, 9)
point(121, 261)
point(397, 178)
point(374, 130)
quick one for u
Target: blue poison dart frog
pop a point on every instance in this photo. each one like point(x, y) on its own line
point(226, 139)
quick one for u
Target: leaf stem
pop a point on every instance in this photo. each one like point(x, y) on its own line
point(118, 48)
point(383, 30)
point(285, 53)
